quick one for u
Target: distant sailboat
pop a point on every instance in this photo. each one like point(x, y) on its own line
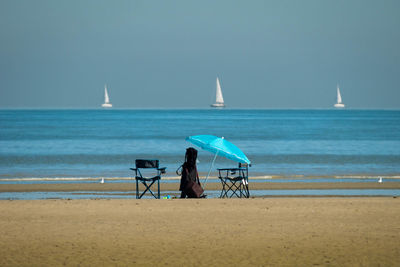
point(219, 100)
point(339, 103)
point(107, 103)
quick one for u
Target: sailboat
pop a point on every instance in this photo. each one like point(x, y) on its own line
point(219, 100)
point(339, 103)
point(107, 103)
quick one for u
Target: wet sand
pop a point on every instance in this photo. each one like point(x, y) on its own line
point(204, 232)
point(124, 187)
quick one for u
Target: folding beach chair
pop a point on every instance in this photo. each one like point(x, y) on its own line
point(235, 181)
point(146, 167)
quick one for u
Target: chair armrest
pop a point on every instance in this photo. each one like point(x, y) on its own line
point(162, 170)
point(135, 170)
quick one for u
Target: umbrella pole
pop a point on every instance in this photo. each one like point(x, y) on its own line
point(209, 171)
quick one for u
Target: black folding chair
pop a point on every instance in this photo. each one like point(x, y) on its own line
point(143, 165)
point(235, 181)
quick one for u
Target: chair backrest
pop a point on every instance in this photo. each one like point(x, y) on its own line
point(147, 168)
point(246, 167)
point(147, 163)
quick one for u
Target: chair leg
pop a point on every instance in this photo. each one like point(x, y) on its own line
point(223, 191)
point(158, 189)
point(235, 191)
point(137, 189)
point(234, 188)
point(142, 194)
point(247, 188)
point(148, 188)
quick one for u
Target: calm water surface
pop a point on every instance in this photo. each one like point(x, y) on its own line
point(105, 143)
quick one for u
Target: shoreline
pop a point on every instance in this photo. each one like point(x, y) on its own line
point(172, 178)
point(128, 187)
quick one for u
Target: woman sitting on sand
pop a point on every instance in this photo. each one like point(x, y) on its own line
point(189, 171)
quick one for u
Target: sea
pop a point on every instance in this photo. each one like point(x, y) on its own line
point(94, 143)
point(86, 146)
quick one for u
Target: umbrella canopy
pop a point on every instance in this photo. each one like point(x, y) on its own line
point(220, 146)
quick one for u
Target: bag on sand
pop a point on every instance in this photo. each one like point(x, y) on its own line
point(194, 190)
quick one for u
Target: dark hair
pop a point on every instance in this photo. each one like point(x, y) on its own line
point(191, 157)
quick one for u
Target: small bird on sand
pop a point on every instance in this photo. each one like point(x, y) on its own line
point(102, 181)
point(380, 180)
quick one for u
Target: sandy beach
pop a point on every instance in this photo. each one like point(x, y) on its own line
point(205, 232)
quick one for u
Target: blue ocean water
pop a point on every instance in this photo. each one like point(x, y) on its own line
point(105, 143)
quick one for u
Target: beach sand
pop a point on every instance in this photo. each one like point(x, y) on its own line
point(203, 232)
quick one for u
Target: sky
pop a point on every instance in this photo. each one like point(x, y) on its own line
point(168, 54)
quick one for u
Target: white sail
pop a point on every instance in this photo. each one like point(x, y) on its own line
point(107, 103)
point(219, 99)
point(218, 96)
point(339, 103)
point(339, 97)
point(106, 98)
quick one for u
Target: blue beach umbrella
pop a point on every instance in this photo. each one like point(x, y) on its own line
point(218, 146)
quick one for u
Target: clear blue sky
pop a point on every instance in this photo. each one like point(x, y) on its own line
point(267, 54)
